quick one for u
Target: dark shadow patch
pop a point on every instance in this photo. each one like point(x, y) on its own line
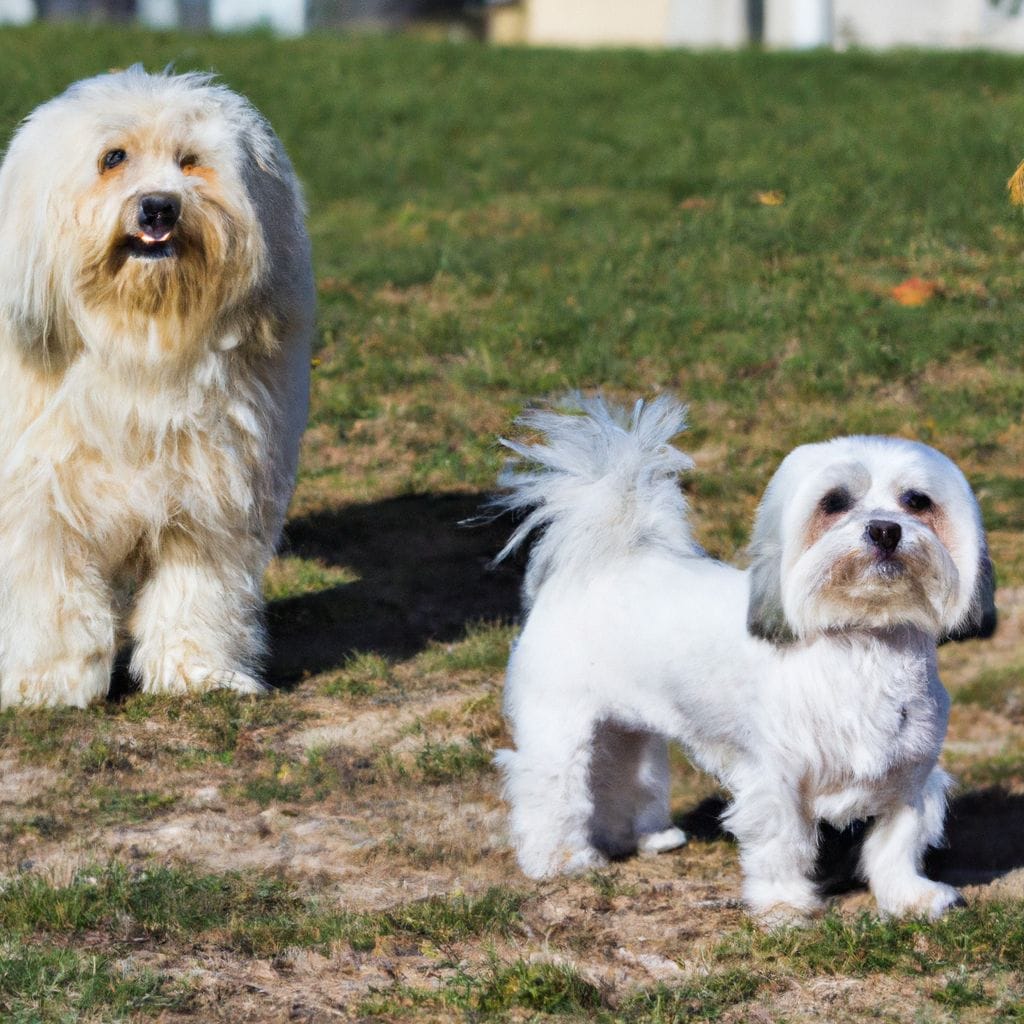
point(984, 840)
point(422, 577)
point(704, 822)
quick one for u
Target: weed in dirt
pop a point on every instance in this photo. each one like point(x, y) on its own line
point(38, 735)
point(484, 648)
point(703, 1000)
point(504, 989)
point(250, 914)
point(961, 991)
point(117, 806)
point(46, 826)
point(975, 938)
point(438, 763)
point(291, 576)
point(220, 718)
point(435, 763)
point(1004, 769)
point(102, 753)
point(49, 985)
point(496, 993)
point(998, 689)
point(286, 780)
point(363, 674)
point(538, 987)
point(609, 884)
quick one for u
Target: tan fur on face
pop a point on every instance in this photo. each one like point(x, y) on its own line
point(219, 249)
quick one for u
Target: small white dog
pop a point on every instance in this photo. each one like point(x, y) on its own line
point(156, 309)
point(807, 685)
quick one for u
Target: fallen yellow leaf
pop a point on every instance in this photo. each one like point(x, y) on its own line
point(915, 291)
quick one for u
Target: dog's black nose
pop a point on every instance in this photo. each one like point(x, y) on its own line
point(158, 213)
point(884, 535)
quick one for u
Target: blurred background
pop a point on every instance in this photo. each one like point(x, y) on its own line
point(992, 24)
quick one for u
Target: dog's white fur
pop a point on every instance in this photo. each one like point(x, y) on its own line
point(152, 407)
point(807, 685)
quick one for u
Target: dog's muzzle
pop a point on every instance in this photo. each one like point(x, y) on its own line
point(884, 535)
point(158, 213)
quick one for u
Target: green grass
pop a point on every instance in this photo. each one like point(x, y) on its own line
point(362, 675)
point(290, 576)
point(965, 945)
point(492, 226)
point(43, 985)
point(1000, 689)
point(558, 990)
point(245, 913)
point(484, 648)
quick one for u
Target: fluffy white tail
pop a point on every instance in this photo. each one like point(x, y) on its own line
point(603, 485)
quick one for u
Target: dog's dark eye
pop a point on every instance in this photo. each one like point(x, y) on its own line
point(836, 501)
point(188, 161)
point(916, 501)
point(112, 158)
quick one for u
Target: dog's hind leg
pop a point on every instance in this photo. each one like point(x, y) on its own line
point(547, 785)
point(630, 781)
point(894, 850)
point(652, 824)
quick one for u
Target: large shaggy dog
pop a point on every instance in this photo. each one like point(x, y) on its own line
point(807, 685)
point(156, 307)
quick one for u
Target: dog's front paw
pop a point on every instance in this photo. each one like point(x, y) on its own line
point(923, 899)
point(779, 904)
point(539, 863)
point(68, 682)
point(179, 678)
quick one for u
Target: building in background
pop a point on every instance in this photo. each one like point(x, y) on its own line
point(288, 17)
point(777, 24)
point(699, 24)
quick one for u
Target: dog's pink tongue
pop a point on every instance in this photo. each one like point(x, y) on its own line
point(149, 239)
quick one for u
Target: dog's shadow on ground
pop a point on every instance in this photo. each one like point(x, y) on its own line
point(422, 577)
point(984, 840)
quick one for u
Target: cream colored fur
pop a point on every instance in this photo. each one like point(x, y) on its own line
point(152, 407)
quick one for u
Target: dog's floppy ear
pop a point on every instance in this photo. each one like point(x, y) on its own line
point(28, 276)
point(766, 617)
point(980, 620)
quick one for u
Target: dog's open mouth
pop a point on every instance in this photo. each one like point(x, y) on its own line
point(150, 247)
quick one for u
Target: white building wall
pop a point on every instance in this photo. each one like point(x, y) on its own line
point(597, 22)
point(1000, 30)
point(285, 16)
point(16, 12)
point(942, 24)
point(158, 13)
point(797, 24)
point(713, 24)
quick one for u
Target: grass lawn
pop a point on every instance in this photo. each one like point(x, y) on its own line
point(493, 227)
